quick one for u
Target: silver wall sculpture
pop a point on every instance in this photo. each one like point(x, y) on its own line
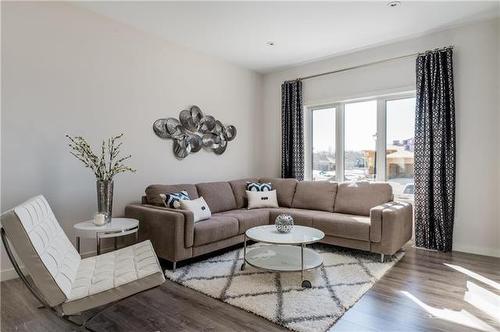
point(194, 131)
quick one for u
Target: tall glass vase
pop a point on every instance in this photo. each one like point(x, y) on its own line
point(105, 198)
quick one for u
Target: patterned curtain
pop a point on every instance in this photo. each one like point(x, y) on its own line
point(435, 151)
point(292, 130)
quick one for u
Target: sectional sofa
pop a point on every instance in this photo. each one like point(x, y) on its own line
point(360, 215)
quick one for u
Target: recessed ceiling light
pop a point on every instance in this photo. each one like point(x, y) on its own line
point(394, 3)
point(270, 43)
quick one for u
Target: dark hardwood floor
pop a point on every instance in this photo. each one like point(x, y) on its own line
point(420, 293)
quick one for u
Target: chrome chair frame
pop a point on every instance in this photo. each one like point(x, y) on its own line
point(37, 294)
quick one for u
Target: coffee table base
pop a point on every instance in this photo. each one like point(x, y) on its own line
point(283, 258)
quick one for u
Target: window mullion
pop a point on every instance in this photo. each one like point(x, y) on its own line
point(308, 147)
point(381, 140)
point(339, 142)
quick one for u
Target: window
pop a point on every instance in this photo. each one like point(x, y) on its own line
point(370, 139)
point(400, 114)
point(360, 140)
point(323, 144)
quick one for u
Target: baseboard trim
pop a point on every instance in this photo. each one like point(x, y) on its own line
point(493, 252)
point(9, 274)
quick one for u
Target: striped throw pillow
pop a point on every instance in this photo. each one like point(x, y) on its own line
point(172, 200)
point(255, 186)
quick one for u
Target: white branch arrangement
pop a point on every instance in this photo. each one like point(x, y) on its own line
point(105, 166)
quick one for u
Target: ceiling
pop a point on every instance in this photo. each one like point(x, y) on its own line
point(302, 31)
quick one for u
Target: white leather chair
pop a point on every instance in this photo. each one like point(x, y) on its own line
point(61, 279)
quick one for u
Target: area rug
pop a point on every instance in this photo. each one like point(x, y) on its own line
point(344, 277)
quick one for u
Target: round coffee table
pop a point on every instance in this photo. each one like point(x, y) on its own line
point(116, 228)
point(287, 252)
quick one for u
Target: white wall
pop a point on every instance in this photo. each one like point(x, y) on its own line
point(476, 62)
point(68, 70)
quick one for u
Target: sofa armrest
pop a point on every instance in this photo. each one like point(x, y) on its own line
point(391, 225)
point(171, 231)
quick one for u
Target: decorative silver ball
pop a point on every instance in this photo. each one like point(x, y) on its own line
point(284, 223)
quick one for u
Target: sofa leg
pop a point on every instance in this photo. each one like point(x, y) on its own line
point(382, 258)
point(174, 264)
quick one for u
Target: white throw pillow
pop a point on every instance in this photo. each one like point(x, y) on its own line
point(262, 199)
point(199, 207)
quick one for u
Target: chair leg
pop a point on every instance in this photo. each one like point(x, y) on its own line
point(382, 258)
point(83, 325)
point(174, 265)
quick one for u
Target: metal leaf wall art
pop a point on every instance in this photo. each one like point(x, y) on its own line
point(194, 131)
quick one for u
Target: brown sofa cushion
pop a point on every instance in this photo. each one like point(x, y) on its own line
point(153, 192)
point(359, 197)
point(285, 189)
point(215, 229)
point(239, 190)
point(342, 225)
point(218, 195)
point(248, 218)
point(315, 195)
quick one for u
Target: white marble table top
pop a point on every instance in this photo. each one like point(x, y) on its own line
point(116, 225)
point(298, 235)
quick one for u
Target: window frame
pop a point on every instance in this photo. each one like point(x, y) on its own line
point(381, 141)
point(309, 144)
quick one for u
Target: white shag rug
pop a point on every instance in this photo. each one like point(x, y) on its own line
point(336, 286)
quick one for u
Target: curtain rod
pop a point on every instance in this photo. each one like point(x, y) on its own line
point(372, 63)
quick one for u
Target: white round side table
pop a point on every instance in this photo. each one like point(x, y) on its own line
point(116, 228)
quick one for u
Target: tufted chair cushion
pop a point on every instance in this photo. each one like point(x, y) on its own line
point(108, 277)
point(43, 247)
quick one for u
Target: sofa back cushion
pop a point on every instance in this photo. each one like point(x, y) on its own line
point(315, 195)
point(218, 195)
point(285, 189)
point(359, 197)
point(153, 192)
point(239, 191)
